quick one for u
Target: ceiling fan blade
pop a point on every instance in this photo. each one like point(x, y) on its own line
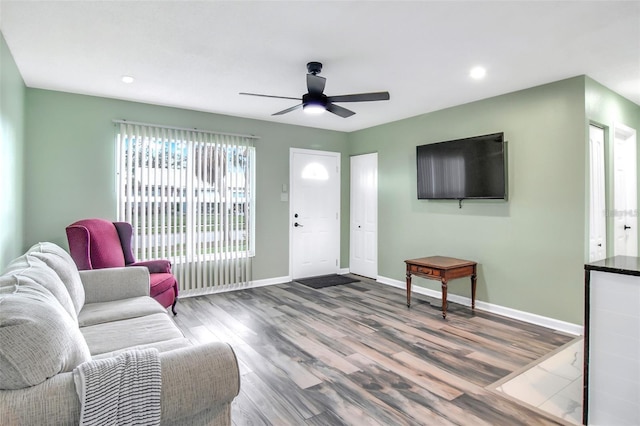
point(360, 97)
point(284, 111)
point(315, 84)
point(269, 96)
point(338, 110)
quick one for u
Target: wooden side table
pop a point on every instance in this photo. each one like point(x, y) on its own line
point(442, 269)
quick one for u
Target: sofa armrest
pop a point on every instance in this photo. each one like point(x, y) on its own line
point(106, 285)
point(195, 380)
point(53, 402)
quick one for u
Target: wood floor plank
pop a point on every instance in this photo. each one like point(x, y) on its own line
point(442, 389)
point(271, 405)
point(355, 354)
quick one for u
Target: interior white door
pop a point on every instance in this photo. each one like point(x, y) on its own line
point(314, 212)
point(625, 228)
point(363, 258)
point(597, 210)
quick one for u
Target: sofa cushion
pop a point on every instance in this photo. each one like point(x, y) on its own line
point(165, 346)
point(98, 313)
point(62, 263)
point(39, 339)
point(112, 336)
point(37, 271)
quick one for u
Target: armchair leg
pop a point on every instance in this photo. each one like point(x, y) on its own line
point(173, 307)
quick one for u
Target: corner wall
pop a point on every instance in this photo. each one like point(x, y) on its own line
point(530, 249)
point(12, 122)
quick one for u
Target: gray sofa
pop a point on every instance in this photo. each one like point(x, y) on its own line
point(53, 318)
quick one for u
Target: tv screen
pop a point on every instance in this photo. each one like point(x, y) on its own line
point(463, 169)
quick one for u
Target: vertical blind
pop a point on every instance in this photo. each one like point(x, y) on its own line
point(189, 195)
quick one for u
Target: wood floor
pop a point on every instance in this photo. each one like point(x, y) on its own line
point(355, 354)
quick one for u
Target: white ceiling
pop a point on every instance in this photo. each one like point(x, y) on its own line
point(199, 55)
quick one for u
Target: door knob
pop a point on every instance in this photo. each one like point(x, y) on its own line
point(297, 225)
point(626, 227)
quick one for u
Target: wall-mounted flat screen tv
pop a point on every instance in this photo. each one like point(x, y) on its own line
point(470, 168)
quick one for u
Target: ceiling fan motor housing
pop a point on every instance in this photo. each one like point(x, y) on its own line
point(314, 68)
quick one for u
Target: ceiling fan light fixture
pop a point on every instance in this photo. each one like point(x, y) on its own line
point(314, 108)
point(313, 104)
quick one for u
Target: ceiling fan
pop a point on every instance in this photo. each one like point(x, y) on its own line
point(315, 101)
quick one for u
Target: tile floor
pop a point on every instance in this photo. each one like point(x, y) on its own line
point(553, 385)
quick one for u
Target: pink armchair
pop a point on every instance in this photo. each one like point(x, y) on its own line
point(98, 243)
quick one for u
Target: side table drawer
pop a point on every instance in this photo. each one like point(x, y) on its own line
point(424, 270)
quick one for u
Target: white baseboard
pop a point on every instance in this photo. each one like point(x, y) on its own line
point(551, 323)
point(234, 287)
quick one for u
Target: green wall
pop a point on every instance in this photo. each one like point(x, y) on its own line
point(12, 90)
point(71, 163)
point(530, 249)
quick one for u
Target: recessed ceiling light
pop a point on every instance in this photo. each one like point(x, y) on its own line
point(478, 73)
point(127, 79)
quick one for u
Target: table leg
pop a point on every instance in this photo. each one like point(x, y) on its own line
point(444, 298)
point(408, 289)
point(473, 292)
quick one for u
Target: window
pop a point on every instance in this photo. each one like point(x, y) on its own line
point(188, 193)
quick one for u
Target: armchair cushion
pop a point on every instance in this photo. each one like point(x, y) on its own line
point(95, 244)
point(39, 339)
point(159, 283)
point(125, 233)
point(62, 263)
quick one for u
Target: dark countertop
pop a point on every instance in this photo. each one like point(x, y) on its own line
point(625, 265)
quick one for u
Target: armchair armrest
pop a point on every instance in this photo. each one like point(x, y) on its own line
point(155, 266)
point(105, 285)
point(197, 381)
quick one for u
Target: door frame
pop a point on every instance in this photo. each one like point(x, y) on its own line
point(291, 221)
point(597, 194)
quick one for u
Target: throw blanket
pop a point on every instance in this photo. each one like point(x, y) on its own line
point(124, 390)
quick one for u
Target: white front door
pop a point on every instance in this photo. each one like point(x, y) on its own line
point(314, 212)
point(363, 258)
point(597, 211)
point(625, 228)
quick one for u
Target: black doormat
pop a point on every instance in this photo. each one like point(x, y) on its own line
point(327, 281)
